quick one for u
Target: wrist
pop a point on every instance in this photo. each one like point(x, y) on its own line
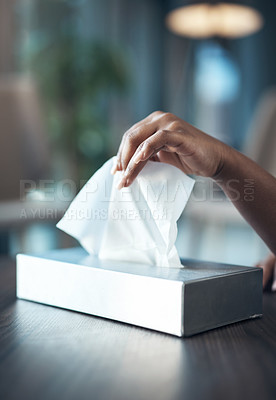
point(226, 155)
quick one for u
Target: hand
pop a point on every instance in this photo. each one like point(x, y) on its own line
point(166, 138)
point(269, 271)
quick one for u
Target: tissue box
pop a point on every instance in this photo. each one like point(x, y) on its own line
point(181, 302)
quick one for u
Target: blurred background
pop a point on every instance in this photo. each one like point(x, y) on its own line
point(75, 74)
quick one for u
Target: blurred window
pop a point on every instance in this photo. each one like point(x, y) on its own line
point(216, 88)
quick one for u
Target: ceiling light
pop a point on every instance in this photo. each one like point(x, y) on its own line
point(220, 19)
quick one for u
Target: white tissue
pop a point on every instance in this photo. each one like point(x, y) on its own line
point(135, 224)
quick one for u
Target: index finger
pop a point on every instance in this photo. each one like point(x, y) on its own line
point(161, 140)
point(131, 135)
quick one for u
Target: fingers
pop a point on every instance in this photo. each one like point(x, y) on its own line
point(273, 287)
point(161, 140)
point(267, 273)
point(268, 269)
point(133, 140)
point(118, 166)
point(137, 133)
point(127, 181)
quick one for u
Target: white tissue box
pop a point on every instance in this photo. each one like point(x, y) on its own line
point(182, 302)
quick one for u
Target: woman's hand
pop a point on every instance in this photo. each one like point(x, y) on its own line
point(166, 138)
point(269, 271)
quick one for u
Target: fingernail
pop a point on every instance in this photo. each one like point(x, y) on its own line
point(113, 169)
point(121, 184)
point(137, 158)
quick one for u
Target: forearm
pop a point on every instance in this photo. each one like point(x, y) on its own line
point(253, 192)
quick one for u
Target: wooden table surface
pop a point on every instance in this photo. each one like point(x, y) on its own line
point(49, 353)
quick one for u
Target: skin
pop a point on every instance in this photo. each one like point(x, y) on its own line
point(166, 138)
point(269, 271)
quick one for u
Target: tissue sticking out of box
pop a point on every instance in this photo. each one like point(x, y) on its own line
point(135, 224)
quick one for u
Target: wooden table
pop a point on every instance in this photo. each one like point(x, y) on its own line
point(49, 353)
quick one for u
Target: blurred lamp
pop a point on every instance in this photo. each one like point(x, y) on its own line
point(214, 19)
